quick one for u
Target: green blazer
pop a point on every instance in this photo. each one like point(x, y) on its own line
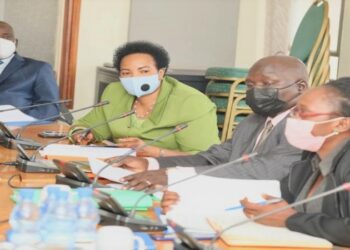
point(176, 103)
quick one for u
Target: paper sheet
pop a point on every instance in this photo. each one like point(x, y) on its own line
point(82, 151)
point(14, 118)
point(206, 196)
point(110, 173)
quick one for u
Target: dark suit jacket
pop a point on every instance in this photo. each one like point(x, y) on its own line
point(272, 162)
point(25, 82)
point(333, 223)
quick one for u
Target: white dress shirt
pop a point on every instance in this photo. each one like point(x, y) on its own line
point(5, 62)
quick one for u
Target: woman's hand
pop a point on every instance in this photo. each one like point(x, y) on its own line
point(277, 219)
point(134, 142)
point(83, 139)
point(169, 200)
point(130, 142)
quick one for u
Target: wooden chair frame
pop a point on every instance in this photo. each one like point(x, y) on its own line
point(234, 112)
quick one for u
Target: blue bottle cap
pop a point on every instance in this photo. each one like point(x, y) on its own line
point(85, 192)
point(26, 194)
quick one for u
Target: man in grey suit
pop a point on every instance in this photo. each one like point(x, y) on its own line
point(274, 85)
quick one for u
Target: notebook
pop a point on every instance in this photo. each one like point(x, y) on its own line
point(254, 234)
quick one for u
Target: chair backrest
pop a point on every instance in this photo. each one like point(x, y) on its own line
point(225, 85)
point(218, 92)
point(311, 42)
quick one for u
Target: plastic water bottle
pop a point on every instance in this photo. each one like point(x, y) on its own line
point(60, 223)
point(49, 203)
point(88, 216)
point(47, 207)
point(25, 221)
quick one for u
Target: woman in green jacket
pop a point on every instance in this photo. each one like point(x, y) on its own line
point(160, 103)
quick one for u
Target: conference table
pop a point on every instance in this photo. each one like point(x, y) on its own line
point(42, 179)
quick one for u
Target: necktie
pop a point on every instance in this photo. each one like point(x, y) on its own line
point(264, 134)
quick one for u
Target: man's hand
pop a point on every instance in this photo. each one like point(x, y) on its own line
point(83, 139)
point(277, 219)
point(169, 199)
point(132, 163)
point(146, 180)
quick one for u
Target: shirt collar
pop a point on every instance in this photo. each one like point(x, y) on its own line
point(275, 120)
point(8, 59)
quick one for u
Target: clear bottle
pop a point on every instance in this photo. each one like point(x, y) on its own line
point(25, 221)
point(49, 203)
point(60, 223)
point(88, 216)
point(46, 208)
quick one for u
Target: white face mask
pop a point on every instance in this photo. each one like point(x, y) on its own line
point(7, 48)
point(299, 134)
point(141, 85)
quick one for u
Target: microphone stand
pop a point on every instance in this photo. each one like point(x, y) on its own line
point(189, 242)
point(241, 159)
point(118, 215)
point(133, 150)
point(27, 164)
point(36, 105)
point(60, 115)
point(30, 144)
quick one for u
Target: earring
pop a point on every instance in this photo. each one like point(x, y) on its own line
point(336, 131)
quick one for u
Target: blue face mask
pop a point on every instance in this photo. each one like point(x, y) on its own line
point(140, 85)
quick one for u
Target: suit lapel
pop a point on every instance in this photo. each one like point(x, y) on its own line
point(257, 127)
point(16, 62)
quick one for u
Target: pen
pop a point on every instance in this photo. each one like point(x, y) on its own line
point(265, 202)
point(99, 146)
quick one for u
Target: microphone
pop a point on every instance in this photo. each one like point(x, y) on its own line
point(7, 139)
point(239, 160)
point(36, 105)
point(100, 104)
point(27, 164)
point(118, 215)
point(344, 186)
point(178, 128)
point(31, 144)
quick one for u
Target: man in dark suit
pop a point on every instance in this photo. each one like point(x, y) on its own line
point(274, 86)
point(24, 81)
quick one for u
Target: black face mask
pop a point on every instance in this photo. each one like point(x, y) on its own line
point(265, 101)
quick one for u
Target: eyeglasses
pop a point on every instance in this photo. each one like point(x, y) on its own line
point(305, 114)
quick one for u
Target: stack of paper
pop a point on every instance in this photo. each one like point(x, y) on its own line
point(206, 196)
point(254, 234)
point(80, 153)
point(109, 173)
